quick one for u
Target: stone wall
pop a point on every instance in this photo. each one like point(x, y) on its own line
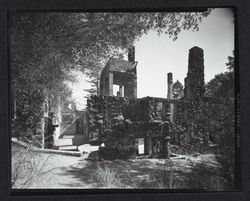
point(194, 121)
point(142, 115)
point(118, 121)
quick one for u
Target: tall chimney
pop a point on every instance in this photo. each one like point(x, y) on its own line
point(194, 82)
point(131, 54)
point(170, 86)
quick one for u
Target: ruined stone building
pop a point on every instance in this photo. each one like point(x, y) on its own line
point(119, 120)
point(122, 73)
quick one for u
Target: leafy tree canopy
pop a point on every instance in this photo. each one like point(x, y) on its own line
point(45, 46)
point(222, 85)
point(178, 91)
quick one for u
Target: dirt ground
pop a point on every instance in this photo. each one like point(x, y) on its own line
point(54, 171)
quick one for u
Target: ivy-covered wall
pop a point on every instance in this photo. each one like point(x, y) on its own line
point(143, 114)
point(118, 121)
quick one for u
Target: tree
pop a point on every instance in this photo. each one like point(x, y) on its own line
point(230, 64)
point(178, 91)
point(221, 87)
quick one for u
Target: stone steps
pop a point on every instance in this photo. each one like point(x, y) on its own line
point(70, 142)
point(68, 148)
point(67, 140)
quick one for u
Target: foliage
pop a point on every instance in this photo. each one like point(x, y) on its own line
point(108, 177)
point(27, 166)
point(178, 91)
point(94, 87)
point(45, 47)
point(222, 88)
point(230, 64)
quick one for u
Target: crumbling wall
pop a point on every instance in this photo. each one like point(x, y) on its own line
point(118, 121)
point(145, 115)
point(194, 121)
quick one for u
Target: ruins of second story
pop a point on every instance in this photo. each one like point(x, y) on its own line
point(122, 73)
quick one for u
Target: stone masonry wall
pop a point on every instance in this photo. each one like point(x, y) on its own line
point(118, 121)
point(144, 115)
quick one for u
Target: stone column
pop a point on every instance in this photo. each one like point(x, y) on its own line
point(42, 132)
point(167, 151)
point(120, 91)
point(194, 83)
point(110, 84)
point(170, 86)
point(170, 95)
point(148, 145)
point(135, 86)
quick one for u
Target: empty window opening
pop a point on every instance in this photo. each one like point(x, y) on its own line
point(118, 90)
point(140, 145)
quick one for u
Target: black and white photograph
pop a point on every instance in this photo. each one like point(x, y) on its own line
point(124, 100)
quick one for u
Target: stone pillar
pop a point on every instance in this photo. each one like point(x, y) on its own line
point(43, 132)
point(135, 86)
point(102, 84)
point(170, 86)
point(194, 82)
point(170, 95)
point(110, 84)
point(167, 151)
point(148, 145)
point(120, 91)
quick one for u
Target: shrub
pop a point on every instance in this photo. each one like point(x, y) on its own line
point(108, 177)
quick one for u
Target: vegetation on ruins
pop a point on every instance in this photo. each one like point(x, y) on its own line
point(27, 166)
point(45, 47)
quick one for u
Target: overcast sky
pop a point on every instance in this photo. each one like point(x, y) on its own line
point(158, 55)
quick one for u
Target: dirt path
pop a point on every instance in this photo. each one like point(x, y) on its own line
point(60, 171)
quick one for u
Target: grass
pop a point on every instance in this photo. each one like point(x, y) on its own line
point(31, 170)
point(27, 167)
point(171, 175)
point(108, 177)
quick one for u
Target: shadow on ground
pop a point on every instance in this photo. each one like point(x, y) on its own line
point(197, 173)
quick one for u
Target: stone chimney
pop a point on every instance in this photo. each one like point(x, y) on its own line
point(170, 86)
point(131, 54)
point(170, 96)
point(194, 82)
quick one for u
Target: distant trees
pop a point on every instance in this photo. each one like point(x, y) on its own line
point(178, 91)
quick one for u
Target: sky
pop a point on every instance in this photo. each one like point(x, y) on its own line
point(159, 55)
